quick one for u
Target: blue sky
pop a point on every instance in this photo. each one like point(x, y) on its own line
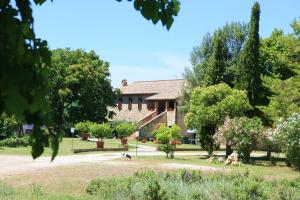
point(135, 48)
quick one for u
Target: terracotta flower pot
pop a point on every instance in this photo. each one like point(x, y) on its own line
point(85, 136)
point(173, 142)
point(100, 144)
point(124, 141)
point(144, 140)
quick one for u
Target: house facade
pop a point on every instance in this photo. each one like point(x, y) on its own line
point(150, 103)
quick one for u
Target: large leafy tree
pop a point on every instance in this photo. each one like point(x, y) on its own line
point(231, 39)
point(281, 56)
point(24, 60)
point(215, 72)
point(296, 27)
point(81, 89)
point(248, 72)
point(285, 98)
point(208, 108)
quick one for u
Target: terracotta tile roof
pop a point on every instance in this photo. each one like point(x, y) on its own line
point(161, 89)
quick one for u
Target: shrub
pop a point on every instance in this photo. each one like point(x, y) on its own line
point(243, 133)
point(191, 184)
point(8, 125)
point(100, 131)
point(125, 129)
point(165, 136)
point(15, 142)
point(83, 127)
point(287, 134)
point(154, 191)
point(268, 143)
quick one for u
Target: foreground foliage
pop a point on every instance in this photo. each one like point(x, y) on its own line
point(25, 61)
point(193, 185)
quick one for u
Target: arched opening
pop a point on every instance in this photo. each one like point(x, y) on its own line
point(130, 104)
point(140, 103)
point(120, 102)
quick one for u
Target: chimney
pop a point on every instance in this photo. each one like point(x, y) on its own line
point(124, 83)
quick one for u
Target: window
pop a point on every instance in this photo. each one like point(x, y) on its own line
point(120, 102)
point(130, 104)
point(151, 105)
point(140, 102)
point(171, 105)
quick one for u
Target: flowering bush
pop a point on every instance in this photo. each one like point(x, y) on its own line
point(243, 133)
point(268, 143)
point(287, 134)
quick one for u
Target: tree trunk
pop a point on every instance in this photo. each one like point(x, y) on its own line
point(269, 155)
point(228, 150)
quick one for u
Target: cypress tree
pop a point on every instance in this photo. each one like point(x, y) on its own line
point(216, 66)
point(248, 70)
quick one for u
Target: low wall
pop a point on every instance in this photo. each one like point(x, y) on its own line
point(100, 149)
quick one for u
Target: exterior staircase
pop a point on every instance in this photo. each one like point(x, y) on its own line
point(149, 123)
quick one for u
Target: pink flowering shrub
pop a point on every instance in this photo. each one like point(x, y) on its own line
point(243, 133)
point(287, 134)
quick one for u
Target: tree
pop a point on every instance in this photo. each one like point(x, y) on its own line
point(83, 128)
point(125, 129)
point(167, 138)
point(158, 10)
point(296, 27)
point(25, 60)
point(9, 125)
point(208, 108)
point(233, 38)
point(100, 131)
point(281, 60)
point(80, 87)
point(248, 71)
point(215, 72)
point(279, 55)
point(284, 100)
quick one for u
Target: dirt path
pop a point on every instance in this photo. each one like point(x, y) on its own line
point(12, 164)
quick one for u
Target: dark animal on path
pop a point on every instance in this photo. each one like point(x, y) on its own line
point(127, 156)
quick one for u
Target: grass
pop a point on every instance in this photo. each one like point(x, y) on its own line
point(259, 167)
point(152, 144)
point(69, 182)
point(64, 147)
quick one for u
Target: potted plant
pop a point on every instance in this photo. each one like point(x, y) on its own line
point(144, 140)
point(100, 131)
point(83, 128)
point(124, 130)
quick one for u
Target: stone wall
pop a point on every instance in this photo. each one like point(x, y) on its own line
point(134, 114)
point(180, 121)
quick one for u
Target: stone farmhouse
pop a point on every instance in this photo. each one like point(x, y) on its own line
point(150, 103)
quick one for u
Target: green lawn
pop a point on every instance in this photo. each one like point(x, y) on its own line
point(182, 146)
point(64, 147)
